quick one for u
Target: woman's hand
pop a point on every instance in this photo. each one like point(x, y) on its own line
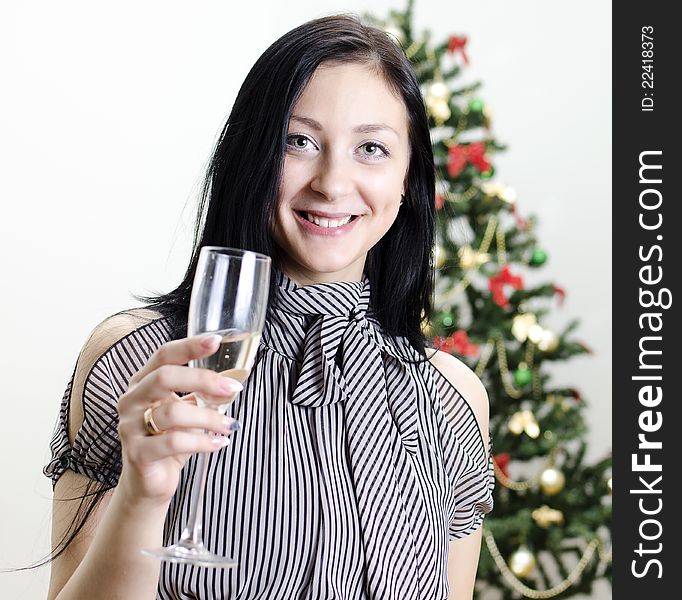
point(152, 463)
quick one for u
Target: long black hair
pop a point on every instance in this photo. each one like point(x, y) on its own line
point(240, 191)
point(239, 195)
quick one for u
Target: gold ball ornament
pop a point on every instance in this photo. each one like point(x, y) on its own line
point(440, 111)
point(436, 99)
point(552, 481)
point(532, 429)
point(524, 420)
point(471, 259)
point(522, 324)
point(543, 338)
point(522, 562)
point(549, 341)
point(437, 91)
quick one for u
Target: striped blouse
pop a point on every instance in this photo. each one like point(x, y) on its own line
point(356, 463)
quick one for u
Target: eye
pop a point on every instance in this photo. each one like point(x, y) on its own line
point(373, 150)
point(299, 142)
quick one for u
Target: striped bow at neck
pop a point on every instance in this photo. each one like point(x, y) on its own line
point(345, 358)
point(333, 315)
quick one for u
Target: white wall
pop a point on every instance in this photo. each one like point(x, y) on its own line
point(108, 113)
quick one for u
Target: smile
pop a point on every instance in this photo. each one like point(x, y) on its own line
point(325, 223)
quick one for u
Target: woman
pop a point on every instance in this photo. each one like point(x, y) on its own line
point(359, 470)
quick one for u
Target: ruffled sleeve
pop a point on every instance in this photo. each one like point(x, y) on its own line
point(468, 467)
point(473, 494)
point(96, 449)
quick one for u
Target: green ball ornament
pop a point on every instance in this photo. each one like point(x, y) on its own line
point(476, 106)
point(448, 319)
point(523, 376)
point(488, 174)
point(538, 258)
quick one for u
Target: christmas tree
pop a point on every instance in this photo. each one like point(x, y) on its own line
point(549, 534)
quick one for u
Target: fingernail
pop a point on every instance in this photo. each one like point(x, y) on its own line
point(231, 424)
point(211, 341)
point(220, 440)
point(230, 386)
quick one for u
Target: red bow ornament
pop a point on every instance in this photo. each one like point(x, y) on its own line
point(457, 43)
point(497, 284)
point(459, 156)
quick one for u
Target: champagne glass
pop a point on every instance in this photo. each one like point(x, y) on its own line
point(229, 298)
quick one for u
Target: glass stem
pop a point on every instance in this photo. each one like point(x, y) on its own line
point(192, 531)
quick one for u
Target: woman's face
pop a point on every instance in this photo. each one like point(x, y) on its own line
point(344, 172)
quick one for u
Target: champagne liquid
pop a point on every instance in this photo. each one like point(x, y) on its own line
point(234, 357)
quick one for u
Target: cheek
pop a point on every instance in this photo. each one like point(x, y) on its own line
point(385, 191)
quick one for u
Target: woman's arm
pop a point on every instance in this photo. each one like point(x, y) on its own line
point(464, 553)
point(104, 559)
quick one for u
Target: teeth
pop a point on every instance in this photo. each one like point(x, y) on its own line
point(322, 222)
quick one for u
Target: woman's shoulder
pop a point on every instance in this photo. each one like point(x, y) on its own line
point(466, 383)
point(118, 328)
point(132, 335)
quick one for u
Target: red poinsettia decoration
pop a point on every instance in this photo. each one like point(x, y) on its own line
point(498, 283)
point(439, 201)
point(456, 44)
point(502, 462)
point(457, 343)
point(460, 155)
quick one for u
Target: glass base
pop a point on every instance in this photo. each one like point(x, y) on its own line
point(189, 553)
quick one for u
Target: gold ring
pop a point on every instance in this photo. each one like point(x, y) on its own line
point(149, 425)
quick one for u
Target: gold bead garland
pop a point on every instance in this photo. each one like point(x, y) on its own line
point(524, 485)
point(517, 486)
point(529, 592)
point(466, 280)
point(465, 196)
point(506, 376)
point(501, 247)
point(486, 353)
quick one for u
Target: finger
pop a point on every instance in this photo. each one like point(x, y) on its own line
point(177, 443)
point(182, 416)
point(179, 352)
point(161, 383)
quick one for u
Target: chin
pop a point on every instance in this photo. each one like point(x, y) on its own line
point(326, 269)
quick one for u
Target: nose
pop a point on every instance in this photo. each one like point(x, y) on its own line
point(333, 177)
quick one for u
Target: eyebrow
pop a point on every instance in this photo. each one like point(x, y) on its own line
point(365, 128)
